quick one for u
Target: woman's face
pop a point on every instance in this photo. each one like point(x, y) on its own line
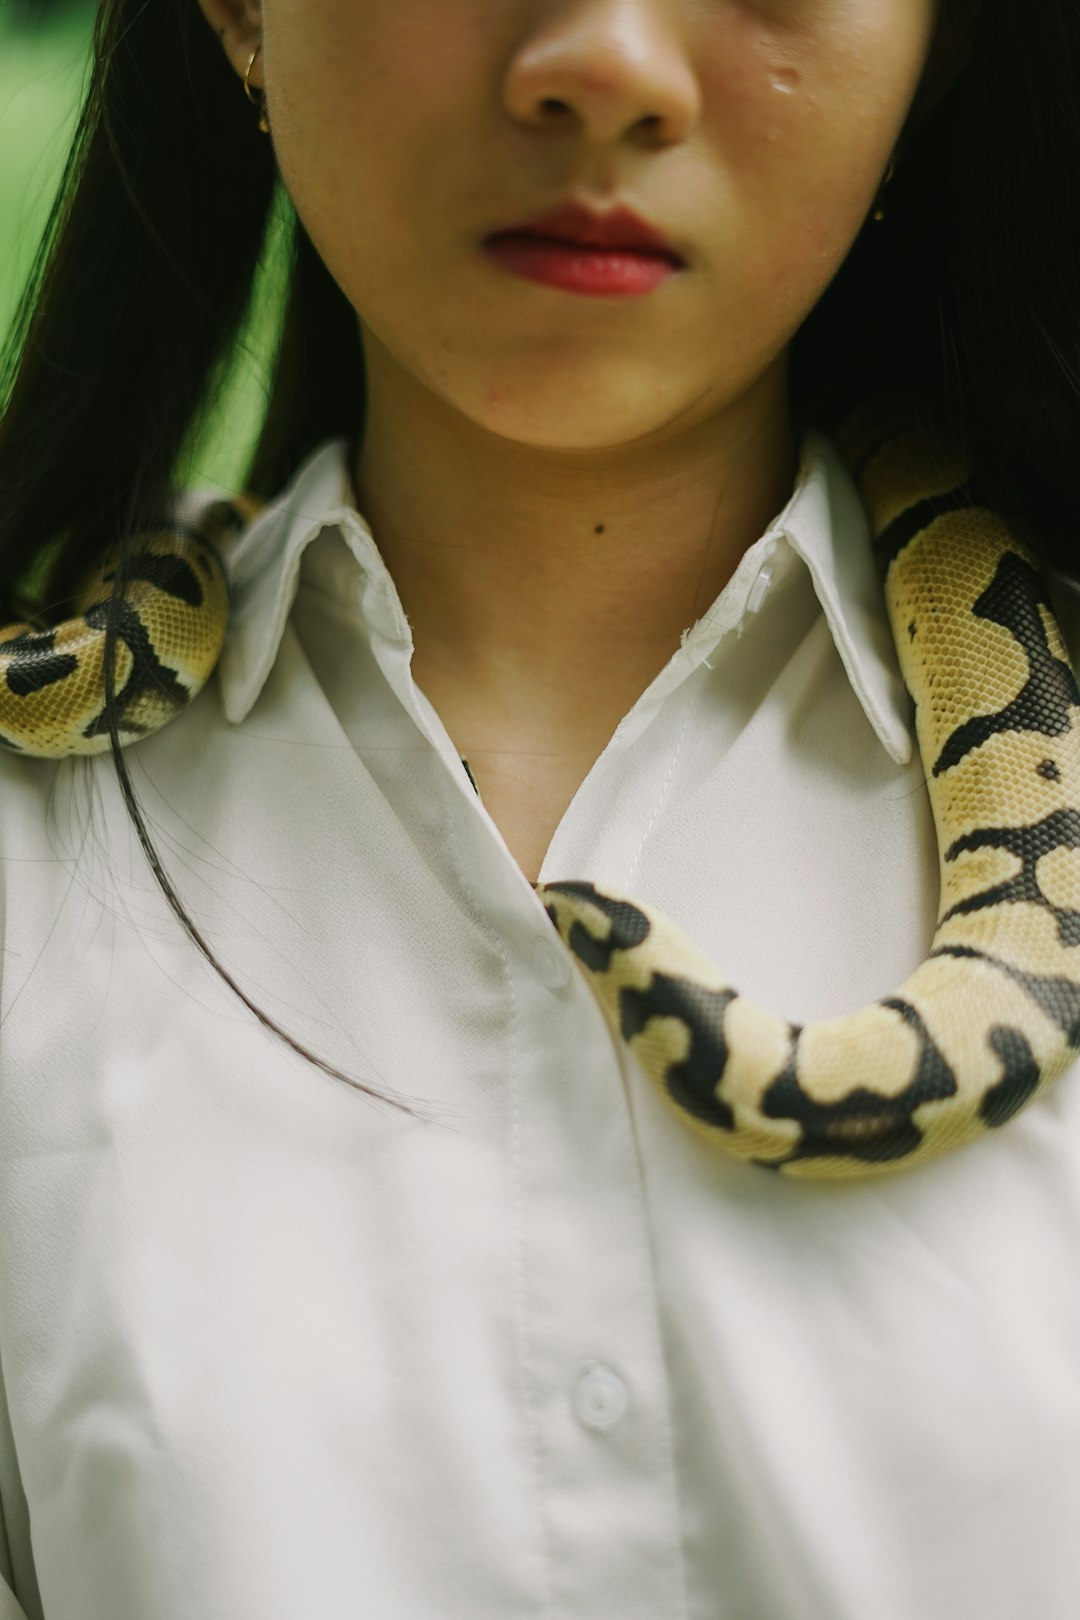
point(753, 133)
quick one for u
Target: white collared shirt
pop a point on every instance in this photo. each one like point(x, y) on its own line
point(272, 1350)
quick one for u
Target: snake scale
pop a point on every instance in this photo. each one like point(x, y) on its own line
point(977, 1031)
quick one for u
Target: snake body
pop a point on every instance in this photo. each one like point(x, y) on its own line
point(978, 1030)
point(171, 626)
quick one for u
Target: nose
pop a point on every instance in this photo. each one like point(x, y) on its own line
point(607, 69)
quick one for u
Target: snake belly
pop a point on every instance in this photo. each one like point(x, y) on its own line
point(992, 1016)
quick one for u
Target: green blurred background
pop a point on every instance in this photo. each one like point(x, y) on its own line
point(44, 63)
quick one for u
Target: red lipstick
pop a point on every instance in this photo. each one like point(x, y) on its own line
point(579, 250)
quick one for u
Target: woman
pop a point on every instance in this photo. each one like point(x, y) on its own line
point(522, 1343)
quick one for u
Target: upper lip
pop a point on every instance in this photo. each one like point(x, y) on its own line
point(618, 228)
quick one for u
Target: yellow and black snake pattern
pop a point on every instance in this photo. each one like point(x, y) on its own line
point(989, 1019)
point(171, 625)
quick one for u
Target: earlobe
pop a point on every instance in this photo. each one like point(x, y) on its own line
point(238, 25)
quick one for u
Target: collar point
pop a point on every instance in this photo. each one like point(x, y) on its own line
point(896, 741)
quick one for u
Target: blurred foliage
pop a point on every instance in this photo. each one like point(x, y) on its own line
point(44, 65)
point(42, 79)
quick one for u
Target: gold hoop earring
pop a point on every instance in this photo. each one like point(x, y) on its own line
point(879, 208)
point(260, 100)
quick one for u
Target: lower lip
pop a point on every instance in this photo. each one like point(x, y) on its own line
point(623, 272)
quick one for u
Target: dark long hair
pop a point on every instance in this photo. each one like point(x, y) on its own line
point(969, 288)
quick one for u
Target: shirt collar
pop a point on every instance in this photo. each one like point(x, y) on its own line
point(824, 523)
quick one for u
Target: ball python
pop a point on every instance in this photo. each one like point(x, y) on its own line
point(976, 1032)
point(171, 626)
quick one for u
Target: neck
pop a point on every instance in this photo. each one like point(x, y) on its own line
point(530, 576)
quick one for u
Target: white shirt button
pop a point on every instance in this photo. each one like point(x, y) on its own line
point(551, 964)
point(600, 1397)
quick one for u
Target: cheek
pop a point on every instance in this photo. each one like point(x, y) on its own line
point(361, 106)
point(803, 122)
point(803, 107)
point(369, 68)
point(806, 100)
